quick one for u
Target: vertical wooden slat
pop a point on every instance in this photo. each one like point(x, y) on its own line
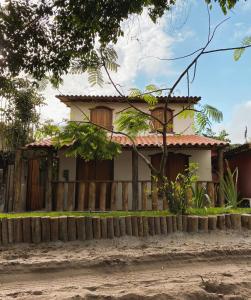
point(124, 195)
point(114, 196)
point(60, 196)
point(135, 179)
point(17, 205)
point(48, 193)
point(154, 196)
point(210, 192)
point(144, 195)
point(221, 174)
point(81, 196)
point(70, 196)
point(92, 196)
point(102, 196)
point(10, 194)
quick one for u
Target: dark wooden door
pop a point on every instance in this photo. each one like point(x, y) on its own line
point(35, 186)
point(96, 170)
point(176, 164)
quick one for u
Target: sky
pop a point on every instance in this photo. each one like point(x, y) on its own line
point(220, 81)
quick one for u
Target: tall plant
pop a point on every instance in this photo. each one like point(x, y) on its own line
point(229, 186)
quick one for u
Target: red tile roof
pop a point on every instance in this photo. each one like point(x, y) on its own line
point(88, 98)
point(152, 140)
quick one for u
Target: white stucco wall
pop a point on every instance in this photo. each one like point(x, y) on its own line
point(66, 163)
point(180, 125)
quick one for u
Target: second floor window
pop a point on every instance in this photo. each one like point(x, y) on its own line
point(102, 116)
point(159, 113)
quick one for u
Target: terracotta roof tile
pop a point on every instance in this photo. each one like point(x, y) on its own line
point(99, 98)
point(152, 140)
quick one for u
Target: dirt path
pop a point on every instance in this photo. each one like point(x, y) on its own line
point(214, 266)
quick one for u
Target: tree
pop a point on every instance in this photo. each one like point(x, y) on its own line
point(19, 116)
point(222, 135)
point(47, 38)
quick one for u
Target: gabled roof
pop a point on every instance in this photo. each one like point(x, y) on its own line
point(67, 99)
point(153, 141)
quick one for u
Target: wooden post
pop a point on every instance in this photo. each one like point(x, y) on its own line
point(221, 174)
point(48, 192)
point(116, 226)
point(63, 229)
point(88, 228)
point(110, 228)
point(192, 223)
point(169, 223)
point(81, 196)
point(163, 225)
point(125, 196)
point(221, 222)
point(10, 230)
point(151, 225)
point(104, 228)
point(60, 196)
point(26, 230)
point(140, 226)
point(210, 192)
point(128, 221)
point(122, 226)
point(36, 230)
point(70, 196)
point(18, 230)
point(114, 196)
point(92, 196)
point(203, 224)
point(5, 239)
point(145, 226)
point(102, 196)
point(212, 222)
point(144, 195)
point(45, 229)
point(135, 231)
point(18, 205)
point(72, 228)
point(235, 221)
point(179, 223)
point(54, 229)
point(96, 228)
point(157, 225)
point(80, 221)
point(135, 179)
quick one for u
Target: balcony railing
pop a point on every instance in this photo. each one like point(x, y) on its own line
point(106, 195)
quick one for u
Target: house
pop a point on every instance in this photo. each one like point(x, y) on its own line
point(240, 157)
point(124, 182)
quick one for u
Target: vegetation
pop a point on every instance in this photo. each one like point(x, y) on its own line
point(19, 116)
point(200, 197)
point(229, 186)
point(190, 211)
point(221, 136)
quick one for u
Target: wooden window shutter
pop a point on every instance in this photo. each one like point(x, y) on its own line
point(102, 116)
point(159, 113)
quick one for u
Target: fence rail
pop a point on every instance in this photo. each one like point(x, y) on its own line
point(102, 195)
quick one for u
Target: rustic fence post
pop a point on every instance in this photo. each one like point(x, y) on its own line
point(48, 192)
point(60, 196)
point(125, 196)
point(102, 196)
point(81, 196)
point(92, 196)
point(114, 196)
point(70, 196)
point(144, 195)
point(45, 229)
point(154, 196)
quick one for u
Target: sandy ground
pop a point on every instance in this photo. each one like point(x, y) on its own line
point(202, 266)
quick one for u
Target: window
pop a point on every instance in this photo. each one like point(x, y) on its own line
point(159, 113)
point(102, 116)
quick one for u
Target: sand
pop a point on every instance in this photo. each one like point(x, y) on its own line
point(182, 266)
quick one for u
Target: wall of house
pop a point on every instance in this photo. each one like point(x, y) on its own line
point(180, 124)
point(66, 163)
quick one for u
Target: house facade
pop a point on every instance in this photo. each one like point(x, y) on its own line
point(126, 176)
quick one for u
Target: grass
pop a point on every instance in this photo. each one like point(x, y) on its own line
point(191, 211)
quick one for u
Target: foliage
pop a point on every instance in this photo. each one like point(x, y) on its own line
point(176, 191)
point(224, 4)
point(200, 197)
point(238, 52)
point(229, 187)
point(47, 129)
point(48, 38)
point(19, 115)
point(222, 136)
point(84, 140)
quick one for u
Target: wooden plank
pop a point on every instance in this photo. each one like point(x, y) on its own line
point(10, 193)
point(92, 196)
point(48, 192)
point(5, 239)
point(88, 228)
point(104, 228)
point(17, 205)
point(135, 179)
point(81, 235)
point(46, 229)
point(71, 228)
point(36, 235)
point(71, 196)
point(211, 193)
point(96, 228)
point(154, 196)
point(18, 230)
point(63, 229)
point(102, 196)
point(125, 196)
point(81, 196)
point(10, 222)
point(27, 230)
point(143, 195)
point(114, 196)
point(60, 196)
point(54, 226)
point(221, 174)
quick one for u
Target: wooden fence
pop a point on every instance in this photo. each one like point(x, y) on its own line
point(115, 195)
point(52, 229)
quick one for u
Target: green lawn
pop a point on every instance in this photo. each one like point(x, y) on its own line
point(191, 211)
